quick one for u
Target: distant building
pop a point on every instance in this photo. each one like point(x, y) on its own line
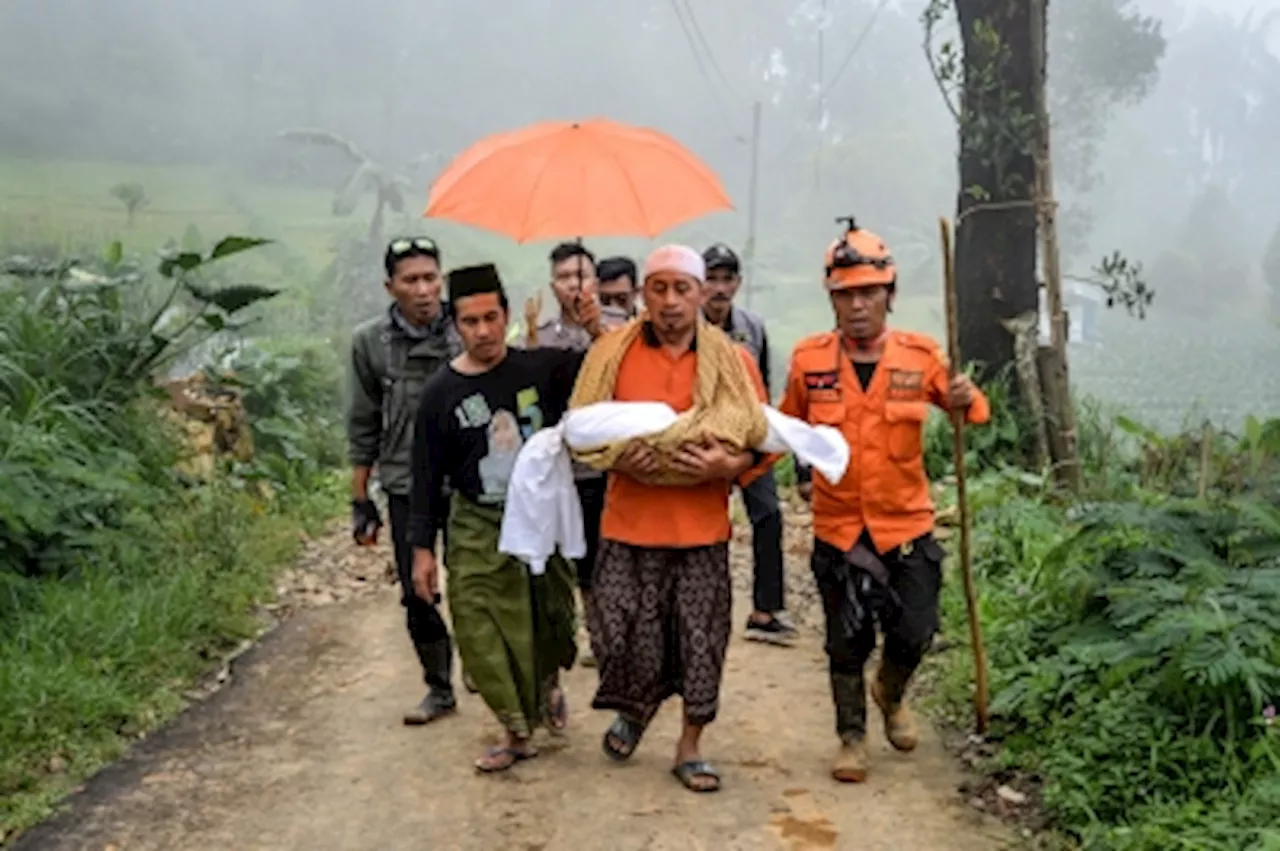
point(1084, 303)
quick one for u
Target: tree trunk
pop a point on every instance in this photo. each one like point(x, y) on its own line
point(996, 221)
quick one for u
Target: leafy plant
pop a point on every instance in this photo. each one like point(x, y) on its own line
point(292, 397)
point(1132, 643)
point(1001, 442)
point(80, 349)
point(1123, 282)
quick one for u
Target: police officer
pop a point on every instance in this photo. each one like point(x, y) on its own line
point(572, 268)
point(768, 621)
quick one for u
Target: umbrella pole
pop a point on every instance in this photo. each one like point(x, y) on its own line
point(958, 448)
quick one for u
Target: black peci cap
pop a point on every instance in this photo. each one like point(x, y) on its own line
point(721, 256)
point(474, 280)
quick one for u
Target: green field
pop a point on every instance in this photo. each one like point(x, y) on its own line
point(68, 206)
point(1149, 368)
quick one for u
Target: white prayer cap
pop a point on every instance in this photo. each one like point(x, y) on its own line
point(676, 258)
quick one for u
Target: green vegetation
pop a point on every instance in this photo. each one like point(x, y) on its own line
point(121, 579)
point(1132, 636)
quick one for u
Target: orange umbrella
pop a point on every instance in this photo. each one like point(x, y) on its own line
point(560, 179)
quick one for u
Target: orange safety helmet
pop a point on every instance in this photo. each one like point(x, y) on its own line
point(859, 259)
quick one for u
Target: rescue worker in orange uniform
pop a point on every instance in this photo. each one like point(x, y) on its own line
point(875, 560)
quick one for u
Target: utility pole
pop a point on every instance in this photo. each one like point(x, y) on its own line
point(749, 250)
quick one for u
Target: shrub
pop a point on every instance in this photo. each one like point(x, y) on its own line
point(1132, 639)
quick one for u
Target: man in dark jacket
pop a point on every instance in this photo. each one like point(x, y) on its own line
point(392, 357)
point(768, 621)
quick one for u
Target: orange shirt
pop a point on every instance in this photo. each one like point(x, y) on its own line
point(645, 515)
point(885, 490)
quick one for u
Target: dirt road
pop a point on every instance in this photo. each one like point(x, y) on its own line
point(304, 750)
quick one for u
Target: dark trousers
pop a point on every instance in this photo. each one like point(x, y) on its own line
point(761, 498)
point(915, 576)
point(427, 628)
point(591, 494)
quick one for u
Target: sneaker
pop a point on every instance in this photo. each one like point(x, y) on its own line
point(777, 630)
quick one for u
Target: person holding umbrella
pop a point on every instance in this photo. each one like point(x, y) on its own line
point(573, 269)
point(768, 621)
point(875, 560)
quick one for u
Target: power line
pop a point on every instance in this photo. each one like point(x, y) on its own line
point(853, 50)
point(702, 68)
point(711, 54)
point(824, 90)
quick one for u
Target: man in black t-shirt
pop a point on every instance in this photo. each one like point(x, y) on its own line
point(514, 632)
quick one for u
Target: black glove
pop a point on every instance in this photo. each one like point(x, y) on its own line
point(365, 521)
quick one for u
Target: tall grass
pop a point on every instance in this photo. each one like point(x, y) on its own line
point(120, 580)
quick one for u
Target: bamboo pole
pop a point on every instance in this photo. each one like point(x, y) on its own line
point(1058, 385)
point(962, 501)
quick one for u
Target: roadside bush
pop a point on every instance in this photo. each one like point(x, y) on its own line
point(1132, 639)
point(1001, 442)
point(292, 391)
point(121, 581)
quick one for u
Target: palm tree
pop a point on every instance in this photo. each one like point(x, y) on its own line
point(367, 176)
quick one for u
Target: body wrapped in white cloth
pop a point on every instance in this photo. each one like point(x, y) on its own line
point(542, 511)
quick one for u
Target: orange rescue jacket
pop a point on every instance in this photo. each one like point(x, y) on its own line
point(885, 490)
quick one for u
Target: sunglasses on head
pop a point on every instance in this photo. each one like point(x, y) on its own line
point(420, 243)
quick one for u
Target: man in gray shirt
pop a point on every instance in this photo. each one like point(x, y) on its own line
point(768, 622)
point(572, 267)
point(392, 357)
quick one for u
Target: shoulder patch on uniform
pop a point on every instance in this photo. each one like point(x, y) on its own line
point(822, 340)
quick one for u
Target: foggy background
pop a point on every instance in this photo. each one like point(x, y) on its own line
point(1166, 120)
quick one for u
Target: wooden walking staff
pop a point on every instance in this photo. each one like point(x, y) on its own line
point(957, 426)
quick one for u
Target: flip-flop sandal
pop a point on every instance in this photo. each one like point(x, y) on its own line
point(558, 714)
point(513, 754)
point(626, 731)
point(687, 772)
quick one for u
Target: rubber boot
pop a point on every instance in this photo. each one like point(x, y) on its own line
point(850, 696)
point(889, 692)
point(437, 665)
point(850, 765)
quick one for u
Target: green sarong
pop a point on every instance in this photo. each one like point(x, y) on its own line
point(514, 631)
